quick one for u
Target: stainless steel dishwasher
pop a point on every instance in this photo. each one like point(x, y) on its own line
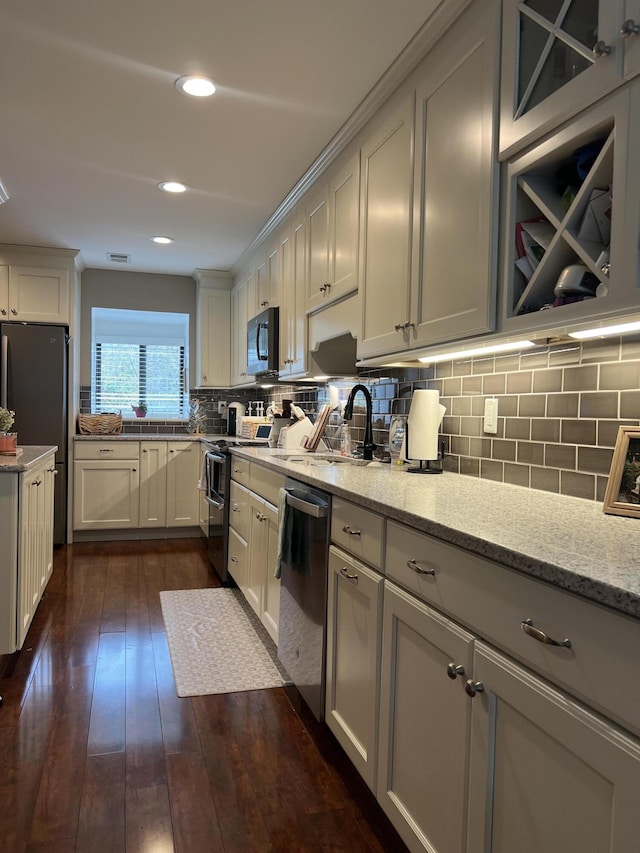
point(303, 590)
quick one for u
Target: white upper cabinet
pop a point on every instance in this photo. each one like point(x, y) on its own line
point(213, 353)
point(35, 295)
point(293, 319)
point(559, 56)
point(385, 231)
point(243, 289)
point(332, 235)
point(428, 237)
point(456, 184)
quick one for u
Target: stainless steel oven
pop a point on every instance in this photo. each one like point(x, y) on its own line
point(217, 473)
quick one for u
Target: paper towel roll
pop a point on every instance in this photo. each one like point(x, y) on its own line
point(425, 417)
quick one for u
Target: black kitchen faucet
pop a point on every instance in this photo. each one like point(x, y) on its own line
point(368, 447)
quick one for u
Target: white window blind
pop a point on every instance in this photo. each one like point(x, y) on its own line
point(139, 357)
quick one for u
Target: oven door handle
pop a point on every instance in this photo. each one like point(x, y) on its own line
point(215, 501)
point(217, 457)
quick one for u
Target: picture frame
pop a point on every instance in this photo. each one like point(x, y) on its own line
point(622, 496)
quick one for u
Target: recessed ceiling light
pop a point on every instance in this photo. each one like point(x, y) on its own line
point(162, 240)
point(172, 187)
point(195, 85)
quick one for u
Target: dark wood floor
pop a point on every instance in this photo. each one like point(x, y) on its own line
point(97, 753)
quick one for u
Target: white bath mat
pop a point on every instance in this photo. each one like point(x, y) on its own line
point(217, 644)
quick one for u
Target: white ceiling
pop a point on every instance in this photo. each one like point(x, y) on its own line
point(91, 120)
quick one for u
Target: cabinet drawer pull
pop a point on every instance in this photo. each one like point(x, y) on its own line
point(529, 629)
point(234, 559)
point(417, 568)
point(106, 450)
point(345, 574)
point(352, 531)
point(236, 508)
point(629, 28)
point(3, 311)
point(14, 312)
point(454, 670)
point(472, 687)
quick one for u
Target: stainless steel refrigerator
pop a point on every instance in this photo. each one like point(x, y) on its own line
point(34, 384)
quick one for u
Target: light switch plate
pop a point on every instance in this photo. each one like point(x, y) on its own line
point(491, 415)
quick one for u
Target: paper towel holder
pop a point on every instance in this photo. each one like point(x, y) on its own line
point(433, 466)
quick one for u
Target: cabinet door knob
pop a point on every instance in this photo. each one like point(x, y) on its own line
point(473, 687)
point(601, 48)
point(418, 569)
point(629, 28)
point(264, 304)
point(14, 312)
point(531, 631)
point(134, 470)
point(3, 311)
point(454, 670)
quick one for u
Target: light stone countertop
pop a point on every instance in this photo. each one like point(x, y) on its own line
point(15, 464)
point(568, 542)
point(154, 437)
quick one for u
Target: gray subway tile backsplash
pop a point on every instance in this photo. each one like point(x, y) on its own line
point(559, 409)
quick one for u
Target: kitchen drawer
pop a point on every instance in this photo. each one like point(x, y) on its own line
point(265, 482)
point(240, 510)
point(358, 530)
point(238, 559)
point(600, 667)
point(106, 449)
point(240, 469)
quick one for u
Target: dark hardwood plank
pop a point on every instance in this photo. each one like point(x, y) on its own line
point(101, 827)
point(195, 825)
point(97, 753)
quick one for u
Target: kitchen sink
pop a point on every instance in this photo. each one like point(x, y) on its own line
point(324, 461)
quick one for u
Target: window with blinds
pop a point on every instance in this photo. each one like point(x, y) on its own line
point(139, 358)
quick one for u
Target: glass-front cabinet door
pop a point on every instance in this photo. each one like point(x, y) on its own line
point(558, 57)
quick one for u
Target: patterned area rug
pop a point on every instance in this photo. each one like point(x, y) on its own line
point(217, 644)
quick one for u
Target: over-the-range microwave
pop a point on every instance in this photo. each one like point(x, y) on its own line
point(263, 342)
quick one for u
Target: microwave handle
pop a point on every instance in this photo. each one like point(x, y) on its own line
point(259, 355)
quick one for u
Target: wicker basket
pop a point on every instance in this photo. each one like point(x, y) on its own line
point(107, 423)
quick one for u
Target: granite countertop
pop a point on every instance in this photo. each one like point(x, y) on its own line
point(154, 437)
point(22, 461)
point(568, 542)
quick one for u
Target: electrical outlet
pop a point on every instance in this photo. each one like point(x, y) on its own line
point(491, 415)
point(222, 407)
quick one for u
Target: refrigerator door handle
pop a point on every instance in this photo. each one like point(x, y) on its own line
point(4, 369)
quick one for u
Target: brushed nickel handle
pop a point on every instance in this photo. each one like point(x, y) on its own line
point(454, 670)
point(134, 470)
point(418, 569)
point(260, 516)
point(106, 450)
point(473, 687)
point(144, 449)
point(14, 312)
point(352, 531)
point(172, 450)
point(531, 631)
point(629, 28)
point(234, 559)
point(408, 325)
point(601, 49)
point(345, 574)
point(3, 311)
point(399, 327)
point(264, 304)
point(236, 508)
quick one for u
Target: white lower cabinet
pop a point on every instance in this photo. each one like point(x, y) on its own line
point(354, 617)
point(130, 484)
point(105, 494)
point(183, 473)
point(262, 589)
point(546, 774)
point(424, 724)
point(26, 548)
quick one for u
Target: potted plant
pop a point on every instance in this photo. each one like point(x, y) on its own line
point(8, 440)
point(140, 410)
